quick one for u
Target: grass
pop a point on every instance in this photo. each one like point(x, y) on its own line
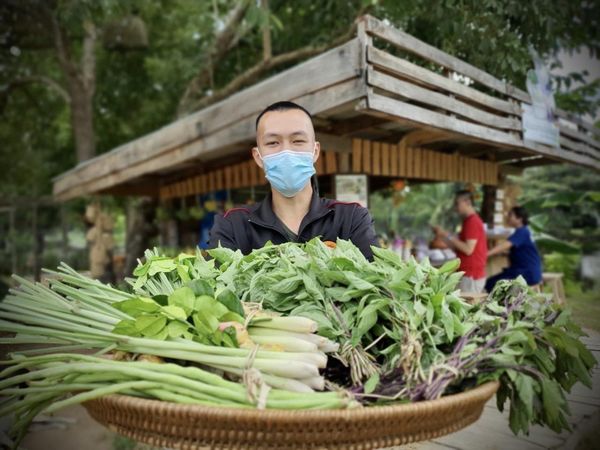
point(586, 307)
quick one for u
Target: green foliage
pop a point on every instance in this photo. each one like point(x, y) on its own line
point(563, 202)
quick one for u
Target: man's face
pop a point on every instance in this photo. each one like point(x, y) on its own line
point(284, 130)
point(461, 205)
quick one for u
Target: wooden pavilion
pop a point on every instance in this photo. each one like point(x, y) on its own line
point(385, 104)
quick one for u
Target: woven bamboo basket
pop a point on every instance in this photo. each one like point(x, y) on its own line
point(194, 427)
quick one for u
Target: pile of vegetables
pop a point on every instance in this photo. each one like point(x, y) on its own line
point(270, 328)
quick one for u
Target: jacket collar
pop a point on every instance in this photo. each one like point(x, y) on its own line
point(264, 215)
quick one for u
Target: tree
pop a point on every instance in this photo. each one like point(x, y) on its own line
point(66, 95)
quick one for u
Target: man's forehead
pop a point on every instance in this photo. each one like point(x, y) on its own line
point(285, 122)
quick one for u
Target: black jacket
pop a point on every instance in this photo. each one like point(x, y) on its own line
point(251, 227)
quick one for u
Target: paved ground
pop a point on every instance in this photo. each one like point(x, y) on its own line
point(73, 429)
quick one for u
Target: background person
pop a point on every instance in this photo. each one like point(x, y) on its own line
point(470, 245)
point(522, 253)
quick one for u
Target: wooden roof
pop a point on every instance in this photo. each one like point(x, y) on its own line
point(381, 85)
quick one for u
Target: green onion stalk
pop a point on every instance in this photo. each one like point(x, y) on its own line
point(46, 383)
point(75, 312)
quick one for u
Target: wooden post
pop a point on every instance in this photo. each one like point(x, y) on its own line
point(394, 160)
point(366, 154)
point(385, 159)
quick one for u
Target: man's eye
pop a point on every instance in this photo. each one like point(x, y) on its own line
point(299, 141)
point(272, 143)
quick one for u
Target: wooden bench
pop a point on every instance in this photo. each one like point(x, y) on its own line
point(554, 280)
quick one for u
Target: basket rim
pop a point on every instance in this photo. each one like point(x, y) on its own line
point(482, 391)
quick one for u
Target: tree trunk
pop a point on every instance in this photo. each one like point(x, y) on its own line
point(140, 230)
point(82, 121)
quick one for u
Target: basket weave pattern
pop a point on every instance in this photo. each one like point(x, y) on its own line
point(194, 427)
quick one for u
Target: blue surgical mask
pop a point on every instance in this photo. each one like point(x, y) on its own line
point(288, 171)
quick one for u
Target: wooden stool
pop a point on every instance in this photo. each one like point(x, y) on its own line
point(554, 280)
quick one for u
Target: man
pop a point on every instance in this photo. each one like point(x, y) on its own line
point(286, 150)
point(523, 255)
point(470, 245)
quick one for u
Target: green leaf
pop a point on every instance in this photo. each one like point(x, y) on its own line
point(200, 287)
point(126, 327)
point(177, 329)
point(524, 385)
point(164, 265)
point(231, 302)
point(206, 324)
point(137, 306)
point(450, 266)
point(184, 298)
point(206, 305)
point(371, 383)
point(161, 335)
point(174, 312)
point(150, 324)
point(287, 285)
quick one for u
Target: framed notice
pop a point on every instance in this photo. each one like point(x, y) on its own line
point(352, 188)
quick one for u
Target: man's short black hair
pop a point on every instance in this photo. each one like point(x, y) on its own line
point(520, 213)
point(465, 195)
point(282, 106)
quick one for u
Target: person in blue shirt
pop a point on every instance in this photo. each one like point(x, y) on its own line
point(522, 252)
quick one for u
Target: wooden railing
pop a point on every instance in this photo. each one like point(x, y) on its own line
point(461, 98)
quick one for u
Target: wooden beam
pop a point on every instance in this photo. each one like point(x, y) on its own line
point(439, 100)
point(355, 125)
point(413, 45)
point(295, 83)
point(334, 143)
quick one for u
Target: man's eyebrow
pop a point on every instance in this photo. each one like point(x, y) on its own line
point(295, 133)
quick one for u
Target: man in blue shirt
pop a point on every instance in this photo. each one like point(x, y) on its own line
point(523, 254)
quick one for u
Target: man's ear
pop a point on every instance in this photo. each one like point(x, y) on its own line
point(257, 158)
point(317, 151)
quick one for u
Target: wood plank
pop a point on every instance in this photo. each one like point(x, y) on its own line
point(579, 136)
point(320, 164)
point(403, 159)
point(330, 162)
point(410, 169)
point(385, 159)
point(245, 174)
point(237, 176)
point(406, 69)
point(394, 160)
point(366, 154)
point(376, 158)
point(418, 115)
point(563, 155)
point(357, 155)
point(413, 45)
point(578, 147)
point(228, 177)
point(578, 121)
point(418, 165)
point(438, 100)
point(343, 162)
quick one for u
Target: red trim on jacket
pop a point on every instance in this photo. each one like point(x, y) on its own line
point(335, 202)
point(229, 211)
